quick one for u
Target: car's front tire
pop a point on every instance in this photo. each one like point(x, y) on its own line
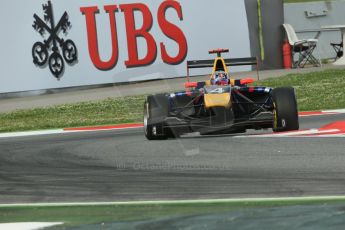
point(155, 111)
point(285, 112)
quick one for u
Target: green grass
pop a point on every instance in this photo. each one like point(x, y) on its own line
point(99, 214)
point(315, 91)
point(77, 215)
point(109, 111)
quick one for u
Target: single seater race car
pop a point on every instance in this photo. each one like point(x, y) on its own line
point(219, 105)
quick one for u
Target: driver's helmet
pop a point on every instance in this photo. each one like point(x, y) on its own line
point(220, 78)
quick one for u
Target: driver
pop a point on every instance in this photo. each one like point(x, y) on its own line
point(220, 78)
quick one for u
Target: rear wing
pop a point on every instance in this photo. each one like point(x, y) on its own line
point(195, 64)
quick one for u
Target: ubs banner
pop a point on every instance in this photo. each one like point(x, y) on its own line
point(55, 44)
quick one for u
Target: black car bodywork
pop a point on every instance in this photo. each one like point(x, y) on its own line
point(220, 109)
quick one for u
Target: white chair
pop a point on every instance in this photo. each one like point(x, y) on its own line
point(304, 48)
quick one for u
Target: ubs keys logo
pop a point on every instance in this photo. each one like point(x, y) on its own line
point(51, 48)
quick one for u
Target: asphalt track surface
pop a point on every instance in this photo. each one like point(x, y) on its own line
point(121, 165)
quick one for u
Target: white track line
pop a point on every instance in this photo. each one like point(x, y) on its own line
point(162, 202)
point(31, 133)
point(322, 113)
point(28, 225)
point(339, 111)
point(332, 135)
point(56, 131)
point(302, 133)
point(315, 115)
point(313, 132)
point(96, 130)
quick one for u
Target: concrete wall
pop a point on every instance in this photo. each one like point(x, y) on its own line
point(272, 19)
point(318, 14)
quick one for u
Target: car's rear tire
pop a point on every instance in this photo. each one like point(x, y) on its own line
point(285, 112)
point(156, 109)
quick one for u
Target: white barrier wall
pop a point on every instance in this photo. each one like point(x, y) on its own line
point(323, 13)
point(116, 41)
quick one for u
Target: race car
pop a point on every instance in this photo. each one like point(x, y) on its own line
point(220, 105)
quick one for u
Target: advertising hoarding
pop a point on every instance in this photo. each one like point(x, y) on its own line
point(57, 44)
